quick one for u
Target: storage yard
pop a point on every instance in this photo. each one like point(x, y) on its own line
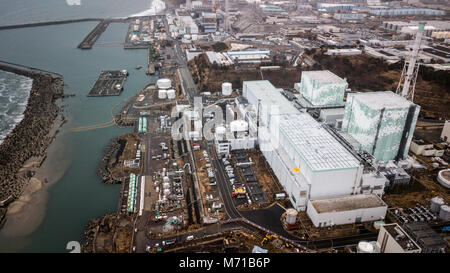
point(109, 83)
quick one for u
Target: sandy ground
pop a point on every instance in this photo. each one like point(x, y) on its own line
point(26, 213)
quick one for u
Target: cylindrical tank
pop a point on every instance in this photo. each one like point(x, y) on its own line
point(162, 94)
point(226, 89)
point(436, 203)
point(220, 131)
point(171, 94)
point(444, 214)
point(291, 216)
point(166, 192)
point(365, 247)
point(239, 126)
point(444, 178)
point(165, 179)
point(164, 83)
point(166, 185)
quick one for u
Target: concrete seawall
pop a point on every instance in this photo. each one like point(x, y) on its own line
point(62, 22)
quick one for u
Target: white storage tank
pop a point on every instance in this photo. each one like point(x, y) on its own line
point(166, 192)
point(166, 185)
point(444, 214)
point(166, 179)
point(444, 178)
point(162, 94)
point(239, 126)
point(226, 89)
point(365, 247)
point(164, 83)
point(291, 216)
point(220, 131)
point(436, 203)
point(171, 94)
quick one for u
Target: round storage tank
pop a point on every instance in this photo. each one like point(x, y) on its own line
point(436, 203)
point(365, 247)
point(162, 94)
point(166, 185)
point(239, 126)
point(166, 192)
point(226, 89)
point(444, 178)
point(444, 214)
point(171, 94)
point(164, 83)
point(291, 216)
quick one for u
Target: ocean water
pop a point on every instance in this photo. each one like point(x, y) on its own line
point(32, 11)
point(14, 93)
point(74, 193)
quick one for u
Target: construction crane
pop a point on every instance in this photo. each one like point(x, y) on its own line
point(407, 83)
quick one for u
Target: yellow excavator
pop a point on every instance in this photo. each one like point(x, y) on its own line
point(268, 238)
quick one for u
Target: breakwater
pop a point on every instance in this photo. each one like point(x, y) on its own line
point(30, 138)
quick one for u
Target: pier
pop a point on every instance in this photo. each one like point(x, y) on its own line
point(93, 36)
point(109, 83)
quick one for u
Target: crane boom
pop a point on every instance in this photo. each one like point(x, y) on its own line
point(406, 85)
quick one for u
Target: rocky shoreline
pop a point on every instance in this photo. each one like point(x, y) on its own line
point(110, 158)
point(30, 138)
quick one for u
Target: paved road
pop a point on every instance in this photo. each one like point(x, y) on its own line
point(222, 185)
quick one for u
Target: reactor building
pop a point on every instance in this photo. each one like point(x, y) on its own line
point(311, 164)
point(382, 122)
point(322, 88)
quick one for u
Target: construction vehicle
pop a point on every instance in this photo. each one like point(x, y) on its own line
point(268, 238)
point(289, 246)
point(239, 192)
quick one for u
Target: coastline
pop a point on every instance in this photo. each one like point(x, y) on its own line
point(24, 150)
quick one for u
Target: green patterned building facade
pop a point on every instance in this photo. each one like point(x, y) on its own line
point(323, 88)
point(382, 122)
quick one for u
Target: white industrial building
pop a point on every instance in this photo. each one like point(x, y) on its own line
point(346, 210)
point(382, 122)
point(307, 160)
point(249, 56)
point(393, 239)
point(322, 87)
point(234, 136)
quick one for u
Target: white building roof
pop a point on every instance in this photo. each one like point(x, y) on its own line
point(382, 99)
point(320, 150)
point(269, 95)
point(348, 203)
point(323, 76)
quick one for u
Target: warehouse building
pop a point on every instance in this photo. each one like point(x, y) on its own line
point(307, 160)
point(406, 11)
point(335, 7)
point(393, 239)
point(346, 210)
point(382, 122)
point(322, 88)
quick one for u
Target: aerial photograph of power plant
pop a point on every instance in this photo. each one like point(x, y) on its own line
point(228, 127)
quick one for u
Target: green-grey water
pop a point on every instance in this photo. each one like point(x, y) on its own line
point(78, 194)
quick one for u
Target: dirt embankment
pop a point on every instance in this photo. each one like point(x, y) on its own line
point(30, 138)
point(209, 77)
point(110, 234)
point(365, 73)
